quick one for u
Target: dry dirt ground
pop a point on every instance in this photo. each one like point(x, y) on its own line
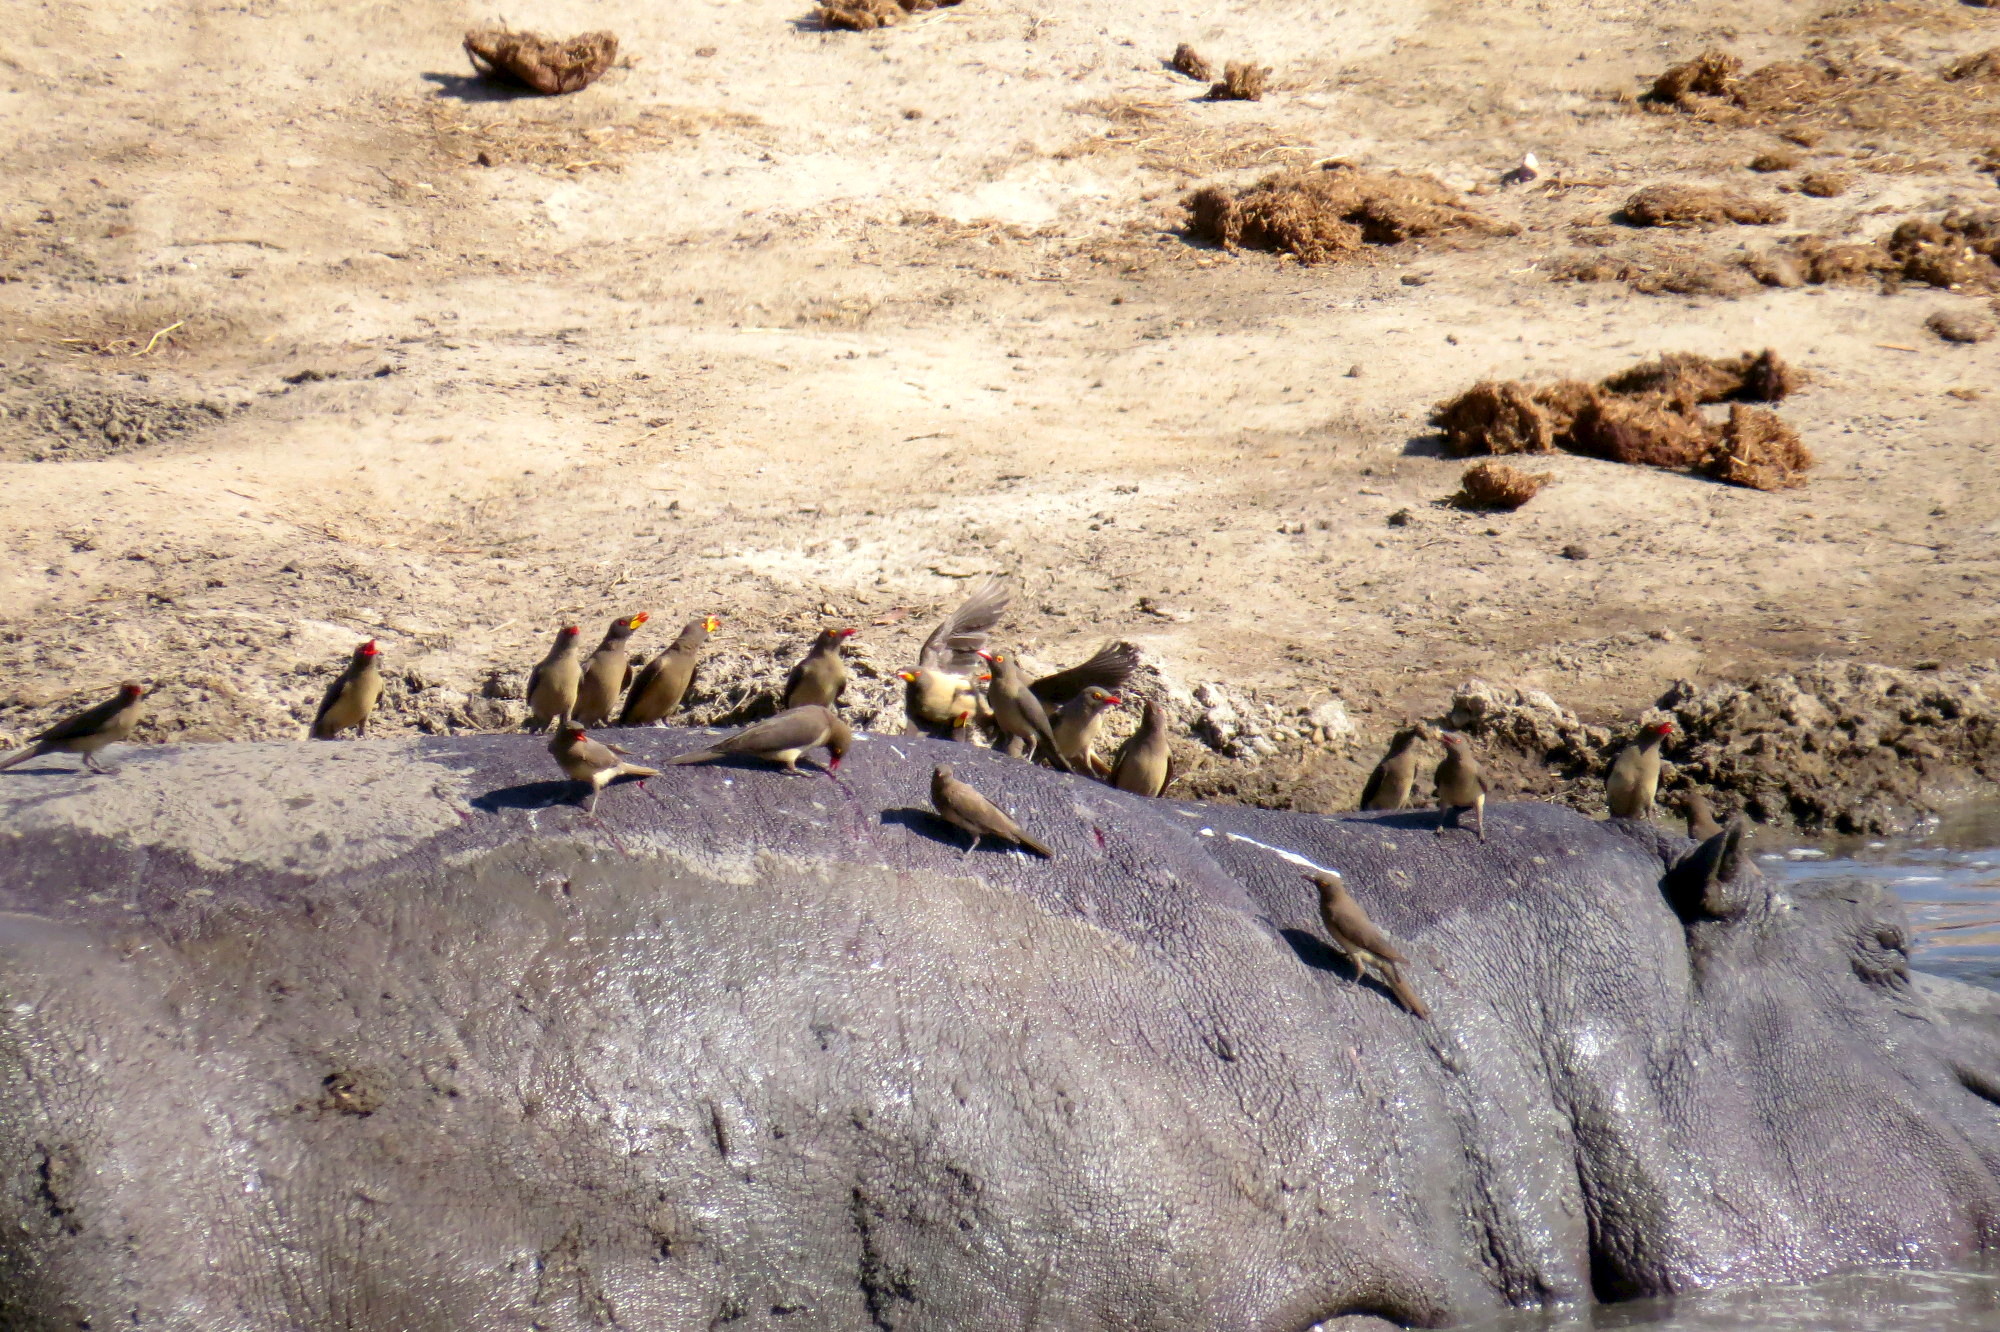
point(306, 336)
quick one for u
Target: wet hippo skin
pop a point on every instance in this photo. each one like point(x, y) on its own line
point(385, 1036)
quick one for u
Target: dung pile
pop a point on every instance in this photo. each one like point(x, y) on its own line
point(1650, 414)
point(1329, 214)
point(1694, 205)
point(540, 63)
point(1959, 251)
point(867, 15)
point(1844, 87)
point(1241, 82)
point(1498, 485)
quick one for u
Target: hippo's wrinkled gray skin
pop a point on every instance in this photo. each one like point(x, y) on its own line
point(371, 1036)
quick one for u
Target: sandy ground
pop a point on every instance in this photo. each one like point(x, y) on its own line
point(787, 325)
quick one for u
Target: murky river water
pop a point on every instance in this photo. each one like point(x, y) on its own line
point(1949, 879)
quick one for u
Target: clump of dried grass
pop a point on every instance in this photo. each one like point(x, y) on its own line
point(1983, 66)
point(1165, 136)
point(1328, 215)
point(1241, 82)
point(1498, 485)
point(1647, 415)
point(540, 63)
point(1192, 63)
point(1670, 205)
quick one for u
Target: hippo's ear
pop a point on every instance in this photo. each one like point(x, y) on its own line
point(1717, 880)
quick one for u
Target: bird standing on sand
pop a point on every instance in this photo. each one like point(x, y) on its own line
point(607, 673)
point(1367, 947)
point(1145, 762)
point(1634, 779)
point(966, 809)
point(782, 739)
point(1076, 730)
point(939, 688)
point(821, 675)
point(592, 762)
point(1389, 786)
point(1701, 819)
point(1460, 786)
point(665, 680)
point(552, 684)
point(350, 699)
point(88, 731)
point(1018, 712)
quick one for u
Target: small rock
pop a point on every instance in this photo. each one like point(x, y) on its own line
point(1354, 371)
point(1575, 551)
point(1331, 722)
point(1400, 518)
point(1960, 326)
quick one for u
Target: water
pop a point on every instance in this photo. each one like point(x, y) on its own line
point(1948, 875)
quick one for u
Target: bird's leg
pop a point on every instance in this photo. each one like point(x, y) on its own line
point(1479, 819)
point(975, 844)
point(1447, 815)
point(91, 761)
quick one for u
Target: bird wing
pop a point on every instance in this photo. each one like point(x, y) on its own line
point(793, 676)
point(534, 680)
point(1108, 668)
point(652, 672)
point(1374, 787)
point(1347, 921)
point(327, 700)
point(976, 809)
point(956, 643)
point(88, 722)
point(799, 728)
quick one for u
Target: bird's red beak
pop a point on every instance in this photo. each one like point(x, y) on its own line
point(907, 677)
point(987, 656)
point(634, 621)
point(369, 649)
point(833, 764)
point(711, 623)
point(134, 691)
point(571, 630)
point(1115, 701)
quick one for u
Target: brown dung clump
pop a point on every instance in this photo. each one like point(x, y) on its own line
point(1495, 417)
point(1960, 326)
point(1192, 63)
point(1959, 251)
point(1689, 376)
point(868, 15)
point(1759, 451)
point(1775, 159)
point(1825, 184)
point(1241, 82)
point(540, 63)
point(1649, 414)
point(1648, 431)
point(1321, 216)
point(1694, 205)
point(1846, 86)
point(1498, 485)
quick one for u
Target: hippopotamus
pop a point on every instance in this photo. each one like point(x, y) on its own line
point(389, 1035)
